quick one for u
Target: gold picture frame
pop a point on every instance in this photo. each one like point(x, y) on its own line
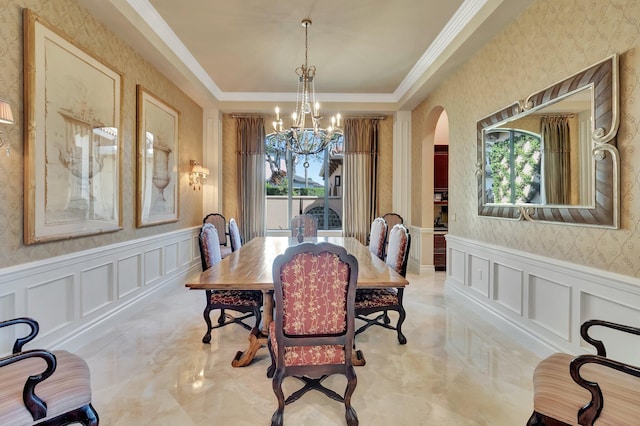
point(72, 107)
point(158, 141)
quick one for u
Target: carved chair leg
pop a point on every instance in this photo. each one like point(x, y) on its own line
point(277, 418)
point(538, 419)
point(207, 319)
point(401, 337)
point(222, 317)
point(350, 412)
point(272, 368)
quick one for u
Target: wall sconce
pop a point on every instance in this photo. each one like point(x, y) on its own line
point(198, 175)
point(6, 117)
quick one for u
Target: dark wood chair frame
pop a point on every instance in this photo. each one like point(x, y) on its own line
point(85, 415)
point(225, 318)
point(588, 414)
point(313, 375)
point(383, 320)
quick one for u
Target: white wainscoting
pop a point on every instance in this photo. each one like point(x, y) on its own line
point(542, 302)
point(72, 295)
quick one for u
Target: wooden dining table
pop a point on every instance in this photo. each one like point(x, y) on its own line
point(250, 268)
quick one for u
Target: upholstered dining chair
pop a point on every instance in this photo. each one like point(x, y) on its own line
point(41, 387)
point(234, 235)
point(392, 220)
point(587, 389)
point(380, 301)
point(312, 335)
point(378, 237)
point(304, 225)
point(247, 302)
point(220, 222)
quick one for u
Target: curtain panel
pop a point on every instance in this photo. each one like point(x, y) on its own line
point(360, 198)
point(251, 176)
point(556, 152)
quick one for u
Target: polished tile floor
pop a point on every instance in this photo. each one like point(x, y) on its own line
point(456, 369)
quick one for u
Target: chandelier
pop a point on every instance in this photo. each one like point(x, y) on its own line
point(305, 136)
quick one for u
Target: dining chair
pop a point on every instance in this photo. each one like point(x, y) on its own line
point(304, 225)
point(378, 237)
point(312, 335)
point(392, 220)
point(247, 302)
point(380, 301)
point(587, 389)
point(43, 387)
point(220, 222)
point(234, 235)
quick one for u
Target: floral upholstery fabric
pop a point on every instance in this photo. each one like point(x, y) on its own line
point(236, 297)
point(376, 236)
point(314, 289)
point(209, 245)
point(308, 355)
point(234, 235)
point(397, 250)
point(308, 223)
point(376, 298)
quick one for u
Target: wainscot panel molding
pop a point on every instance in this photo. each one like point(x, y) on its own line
point(421, 251)
point(540, 301)
point(73, 295)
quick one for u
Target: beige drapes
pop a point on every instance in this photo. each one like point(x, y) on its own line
point(556, 151)
point(251, 176)
point(360, 201)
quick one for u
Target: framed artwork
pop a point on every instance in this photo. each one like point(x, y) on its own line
point(338, 180)
point(72, 107)
point(157, 191)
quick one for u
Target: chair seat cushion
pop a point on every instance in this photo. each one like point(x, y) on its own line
point(557, 395)
point(236, 297)
point(225, 251)
point(68, 387)
point(308, 355)
point(375, 298)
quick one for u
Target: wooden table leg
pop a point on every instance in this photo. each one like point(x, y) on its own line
point(257, 338)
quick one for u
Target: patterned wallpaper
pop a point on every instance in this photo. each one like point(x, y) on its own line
point(548, 42)
point(69, 18)
point(230, 166)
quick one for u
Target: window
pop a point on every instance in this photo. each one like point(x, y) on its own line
point(297, 184)
point(512, 162)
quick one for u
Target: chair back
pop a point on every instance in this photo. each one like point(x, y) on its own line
point(314, 290)
point(377, 237)
point(305, 224)
point(234, 235)
point(209, 246)
point(398, 248)
point(392, 220)
point(220, 222)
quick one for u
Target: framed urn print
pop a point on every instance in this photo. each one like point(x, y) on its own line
point(72, 107)
point(157, 134)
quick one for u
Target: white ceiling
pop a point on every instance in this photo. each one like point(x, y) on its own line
point(371, 55)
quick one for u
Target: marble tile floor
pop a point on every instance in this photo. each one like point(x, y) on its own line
point(456, 369)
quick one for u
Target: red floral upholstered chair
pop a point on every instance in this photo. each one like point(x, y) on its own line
point(312, 335)
point(377, 237)
point(244, 301)
point(220, 222)
point(234, 235)
point(371, 301)
point(305, 225)
point(587, 389)
point(43, 387)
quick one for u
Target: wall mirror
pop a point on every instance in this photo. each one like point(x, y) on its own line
point(552, 157)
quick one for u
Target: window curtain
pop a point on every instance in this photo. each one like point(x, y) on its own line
point(251, 176)
point(360, 200)
point(556, 143)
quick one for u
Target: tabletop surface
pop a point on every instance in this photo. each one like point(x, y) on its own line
point(250, 267)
